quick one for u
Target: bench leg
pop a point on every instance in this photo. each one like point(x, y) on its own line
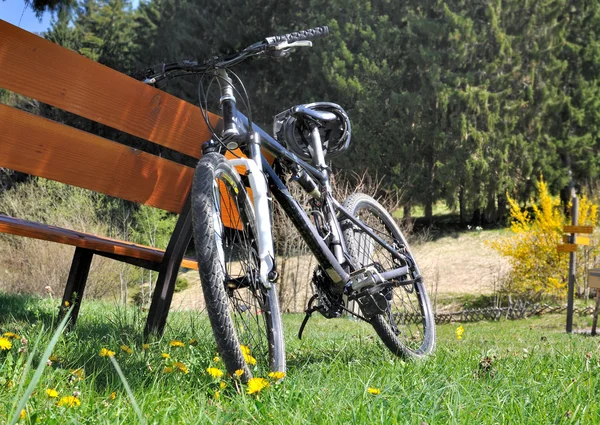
point(80, 267)
point(167, 275)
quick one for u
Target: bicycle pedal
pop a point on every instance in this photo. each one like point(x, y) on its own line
point(372, 304)
point(363, 278)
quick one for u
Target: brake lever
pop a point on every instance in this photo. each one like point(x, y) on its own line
point(155, 80)
point(283, 50)
point(286, 46)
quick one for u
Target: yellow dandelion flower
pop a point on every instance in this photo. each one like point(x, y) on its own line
point(5, 344)
point(245, 349)
point(69, 401)
point(176, 344)
point(78, 374)
point(214, 372)
point(52, 393)
point(113, 395)
point(67, 303)
point(145, 346)
point(23, 414)
point(249, 359)
point(9, 384)
point(193, 342)
point(106, 353)
point(127, 349)
point(53, 358)
point(256, 385)
point(168, 369)
point(277, 375)
point(222, 384)
point(217, 394)
point(459, 332)
point(216, 359)
point(182, 367)
point(11, 335)
point(373, 391)
point(165, 355)
point(239, 372)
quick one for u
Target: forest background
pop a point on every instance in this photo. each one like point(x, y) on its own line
point(460, 102)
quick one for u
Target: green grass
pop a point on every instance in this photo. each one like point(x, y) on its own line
point(525, 371)
point(439, 208)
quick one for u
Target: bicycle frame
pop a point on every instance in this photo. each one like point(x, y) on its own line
point(335, 262)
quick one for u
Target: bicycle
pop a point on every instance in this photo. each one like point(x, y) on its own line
point(362, 254)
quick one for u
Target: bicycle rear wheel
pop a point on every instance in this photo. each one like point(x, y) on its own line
point(407, 328)
point(244, 315)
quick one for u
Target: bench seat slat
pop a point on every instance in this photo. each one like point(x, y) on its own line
point(42, 70)
point(19, 227)
point(44, 148)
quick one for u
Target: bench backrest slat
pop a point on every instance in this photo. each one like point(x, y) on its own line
point(38, 146)
point(42, 70)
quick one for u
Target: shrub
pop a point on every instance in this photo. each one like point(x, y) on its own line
point(537, 267)
point(41, 267)
point(181, 284)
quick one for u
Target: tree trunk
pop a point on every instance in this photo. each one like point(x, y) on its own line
point(502, 208)
point(462, 207)
point(429, 211)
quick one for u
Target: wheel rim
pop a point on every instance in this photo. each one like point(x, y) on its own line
point(405, 316)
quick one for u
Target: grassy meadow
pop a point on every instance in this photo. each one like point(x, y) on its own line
point(526, 371)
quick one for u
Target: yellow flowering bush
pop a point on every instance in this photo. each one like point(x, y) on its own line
point(536, 266)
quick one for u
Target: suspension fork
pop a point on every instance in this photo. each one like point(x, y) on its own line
point(232, 137)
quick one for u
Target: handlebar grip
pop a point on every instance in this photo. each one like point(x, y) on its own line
point(299, 35)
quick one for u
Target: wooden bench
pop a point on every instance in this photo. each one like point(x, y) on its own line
point(41, 70)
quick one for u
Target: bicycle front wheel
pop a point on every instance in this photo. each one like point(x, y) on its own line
point(407, 326)
point(244, 315)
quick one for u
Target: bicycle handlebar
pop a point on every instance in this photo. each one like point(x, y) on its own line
point(154, 74)
point(308, 34)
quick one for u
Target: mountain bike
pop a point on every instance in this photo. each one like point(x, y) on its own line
point(363, 257)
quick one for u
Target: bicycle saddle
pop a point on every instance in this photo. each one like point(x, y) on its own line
point(310, 111)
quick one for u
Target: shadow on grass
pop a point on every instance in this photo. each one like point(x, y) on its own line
point(101, 325)
point(447, 225)
point(27, 308)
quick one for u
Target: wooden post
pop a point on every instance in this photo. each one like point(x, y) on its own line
point(594, 282)
point(167, 275)
point(572, 259)
point(595, 319)
point(80, 267)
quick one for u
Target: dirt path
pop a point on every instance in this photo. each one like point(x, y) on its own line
point(451, 265)
point(461, 264)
